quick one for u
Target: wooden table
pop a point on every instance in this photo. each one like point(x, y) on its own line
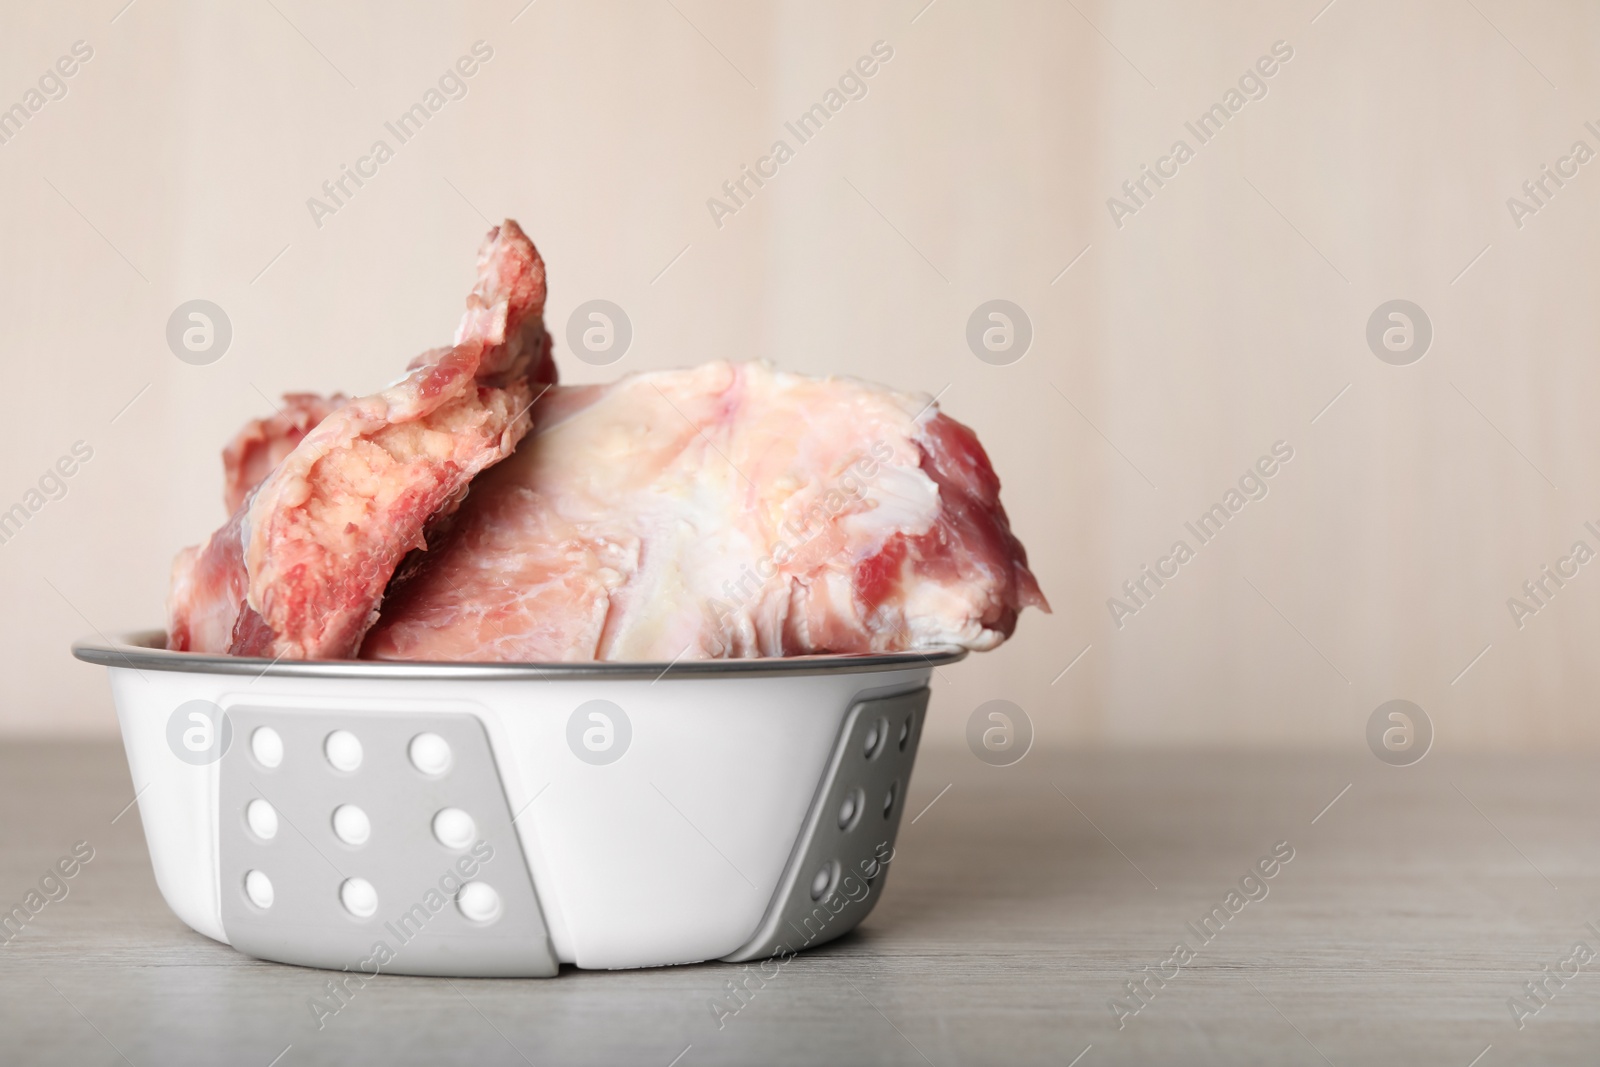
point(1020, 903)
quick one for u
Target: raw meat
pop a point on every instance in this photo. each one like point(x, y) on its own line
point(300, 567)
point(263, 443)
point(727, 510)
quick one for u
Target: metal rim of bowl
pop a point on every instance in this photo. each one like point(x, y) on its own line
point(144, 650)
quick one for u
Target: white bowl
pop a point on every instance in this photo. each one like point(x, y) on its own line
point(701, 810)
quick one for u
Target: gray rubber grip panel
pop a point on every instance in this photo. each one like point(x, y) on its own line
point(417, 878)
point(840, 861)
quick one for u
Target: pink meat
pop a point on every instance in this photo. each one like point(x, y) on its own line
point(300, 568)
point(263, 443)
point(727, 510)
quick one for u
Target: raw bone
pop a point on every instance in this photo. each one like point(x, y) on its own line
point(299, 569)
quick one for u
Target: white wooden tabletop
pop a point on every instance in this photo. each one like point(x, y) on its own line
point(1021, 901)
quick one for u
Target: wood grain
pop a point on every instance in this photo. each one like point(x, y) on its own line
point(1018, 905)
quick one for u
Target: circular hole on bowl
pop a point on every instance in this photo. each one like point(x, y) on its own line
point(343, 750)
point(351, 825)
point(888, 799)
point(358, 897)
point(454, 828)
point(823, 882)
point(877, 734)
point(267, 747)
point(905, 734)
point(429, 754)
point(262, 818)
point(258, 887)
point(851, 808)
point(478, 902)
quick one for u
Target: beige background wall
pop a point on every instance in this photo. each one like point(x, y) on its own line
point(1221, 318)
